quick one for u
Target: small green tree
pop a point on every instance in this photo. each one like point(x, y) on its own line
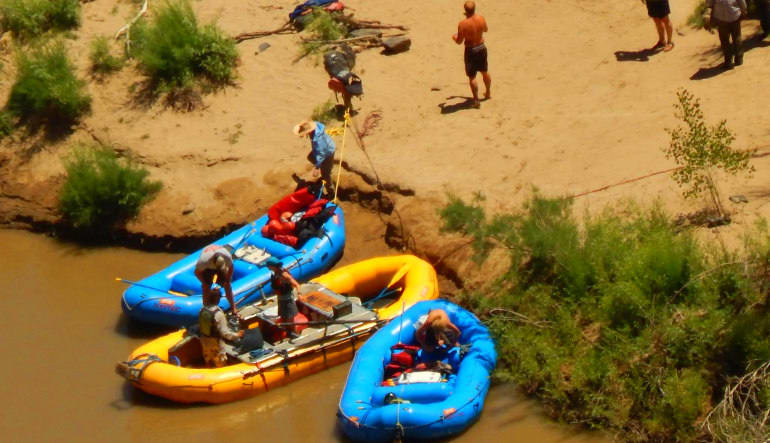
point(700, 151)
point(102, 60)
point(102, 189)
point(46, 86)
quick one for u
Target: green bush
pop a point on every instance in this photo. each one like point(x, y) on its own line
point(101, 189)
point(46, 86)
point(619, 320)
point(322, 26)
point(30, 18)
point(696, 19)
point(174, 50)
point(102, 60)
point(6, 123)
point(325, 112)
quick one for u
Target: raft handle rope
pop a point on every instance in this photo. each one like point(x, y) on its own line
point(134, 373)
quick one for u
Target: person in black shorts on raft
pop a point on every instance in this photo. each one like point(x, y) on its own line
point(470, 31)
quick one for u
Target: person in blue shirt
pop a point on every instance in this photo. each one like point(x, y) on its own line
point(322, 148)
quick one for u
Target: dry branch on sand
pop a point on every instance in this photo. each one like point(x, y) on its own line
point(348, 20)
point(743, 415)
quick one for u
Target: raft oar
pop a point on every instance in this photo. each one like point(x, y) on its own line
point(123, 280)
point(327, 322)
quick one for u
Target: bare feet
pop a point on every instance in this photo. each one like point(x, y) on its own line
point(668, 47)
point(476, 104)
point(487, 95)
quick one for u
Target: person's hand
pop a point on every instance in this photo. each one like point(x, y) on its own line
point(454, 37)
point(241, 333)
point(316, 172)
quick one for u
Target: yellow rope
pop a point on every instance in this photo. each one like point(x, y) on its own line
point(342, 152)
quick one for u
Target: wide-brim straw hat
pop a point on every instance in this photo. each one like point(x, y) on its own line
point(304, 128)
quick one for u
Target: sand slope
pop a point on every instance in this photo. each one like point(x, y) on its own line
point(566, 115)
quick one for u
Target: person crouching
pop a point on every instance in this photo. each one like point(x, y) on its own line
point(214, 330)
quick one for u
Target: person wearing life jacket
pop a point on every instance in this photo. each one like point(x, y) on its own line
point(214, 330)
point(436, 332)
point(286, 289)
point(216, 260)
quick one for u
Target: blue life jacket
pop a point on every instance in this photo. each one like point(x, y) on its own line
point(308, 4)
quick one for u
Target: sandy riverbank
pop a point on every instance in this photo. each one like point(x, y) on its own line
point(567, 116)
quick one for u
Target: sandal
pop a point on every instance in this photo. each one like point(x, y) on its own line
point(668, 47)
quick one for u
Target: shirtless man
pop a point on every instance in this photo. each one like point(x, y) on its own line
point(470, 31)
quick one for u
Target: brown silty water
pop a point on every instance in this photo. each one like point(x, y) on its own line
point(63, 332)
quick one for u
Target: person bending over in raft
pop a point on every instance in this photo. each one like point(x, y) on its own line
point(285, 288)
point(216, 260)
point(437, 332)
point(214, 331)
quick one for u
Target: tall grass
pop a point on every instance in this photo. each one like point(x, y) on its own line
point(101, 189)
point(101, 58)
point(46, 86)
point(27, 19)
point(322, 26)
point(325, 112)
point(619, 321)
point(174, 50)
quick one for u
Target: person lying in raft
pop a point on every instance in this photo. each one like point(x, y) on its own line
point(216, 260)
point(286, 289)
point(214, 331)
point(436, 332)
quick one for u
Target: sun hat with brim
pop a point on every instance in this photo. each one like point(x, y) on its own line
point(304, 128)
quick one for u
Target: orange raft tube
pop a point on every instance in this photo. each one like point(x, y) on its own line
point(405, 280)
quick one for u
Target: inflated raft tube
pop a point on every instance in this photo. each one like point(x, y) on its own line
point(422, 410)
point(172, 296)
point(407, 279)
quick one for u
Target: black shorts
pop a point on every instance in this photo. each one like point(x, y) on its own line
point(475, 60)
point(658, 8)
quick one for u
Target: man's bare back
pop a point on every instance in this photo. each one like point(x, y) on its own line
point(471, 29)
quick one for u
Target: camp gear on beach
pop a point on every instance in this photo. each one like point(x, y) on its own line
point(339, 60)
point(171, 366)
point(308, 5)
point(172, 296)
point(420, 404)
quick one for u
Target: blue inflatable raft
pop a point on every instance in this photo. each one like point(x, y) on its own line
point(371, 410)
point(173, 296)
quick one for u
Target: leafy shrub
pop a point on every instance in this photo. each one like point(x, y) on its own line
point(101, 189)
point(697, 18)
point(174, 49)
point(46, 86)
point(30, 18)
point(619, 320)
point(102, 60)
point(325, 112)
point(322, 26)
point(6, 123)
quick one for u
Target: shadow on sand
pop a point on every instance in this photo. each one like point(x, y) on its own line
point(636, 56)
point(467, 103)
point(756, 41)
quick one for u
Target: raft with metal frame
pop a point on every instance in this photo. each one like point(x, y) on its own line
point(374, 408)
point(344, 307)
point(172, 296)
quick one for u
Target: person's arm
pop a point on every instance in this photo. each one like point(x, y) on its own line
point(486, 29)
point(291, 279)
point(708, 15)
point(224, 330)
point(458, 38)
point(744, 9)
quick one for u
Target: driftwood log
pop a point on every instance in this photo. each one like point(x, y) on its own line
point(350, 22)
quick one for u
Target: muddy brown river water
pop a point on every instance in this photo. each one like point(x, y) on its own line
point(63, 331)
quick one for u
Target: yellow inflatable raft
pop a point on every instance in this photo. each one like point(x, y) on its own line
point(344, 307)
